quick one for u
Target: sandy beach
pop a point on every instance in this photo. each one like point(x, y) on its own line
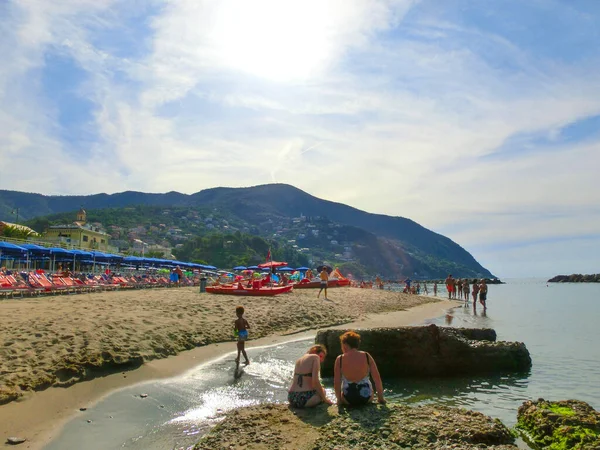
point(64, 340)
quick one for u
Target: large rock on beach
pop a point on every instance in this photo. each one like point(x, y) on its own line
point(432, 351)
point(278, 427)
point(561, 425)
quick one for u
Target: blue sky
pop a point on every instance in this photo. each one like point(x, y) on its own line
point(479, 120)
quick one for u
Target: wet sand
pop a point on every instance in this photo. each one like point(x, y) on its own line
point(65, 333)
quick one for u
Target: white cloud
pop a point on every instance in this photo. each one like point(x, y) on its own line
point(364, 102)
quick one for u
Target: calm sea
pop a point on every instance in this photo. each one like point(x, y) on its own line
point(557, 322)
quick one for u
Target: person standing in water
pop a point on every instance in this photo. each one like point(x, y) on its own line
point(241, 327)
point(450, 286)
point(475, 292)
point(324, 276)
point(483, 289)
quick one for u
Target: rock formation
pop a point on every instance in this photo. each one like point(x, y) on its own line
point(566, 424)
point(575, 278)
point(277, 427)
point(432, 351)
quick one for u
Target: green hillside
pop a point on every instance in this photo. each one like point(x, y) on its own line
point(318, 229)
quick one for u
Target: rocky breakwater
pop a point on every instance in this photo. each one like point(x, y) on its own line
point(277, 427)
point(561, 425)
point(432, 351)
point(575, 278)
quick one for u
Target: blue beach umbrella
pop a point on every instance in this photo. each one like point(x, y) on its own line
point(36, 250)
point(303, 269)
point(11, 251)
point(240, 268)
point(285, 269)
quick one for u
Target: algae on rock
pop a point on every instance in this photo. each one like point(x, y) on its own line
point(561, 425)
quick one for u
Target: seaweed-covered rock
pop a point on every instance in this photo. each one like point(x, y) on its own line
point(432, 351)
point(561, 425)
point(374, 426)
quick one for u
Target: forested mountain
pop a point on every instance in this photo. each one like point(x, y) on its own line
point(322, 230)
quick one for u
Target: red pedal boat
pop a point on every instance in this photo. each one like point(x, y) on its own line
point(261, 292)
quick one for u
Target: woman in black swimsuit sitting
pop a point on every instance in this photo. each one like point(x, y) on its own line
point(306, 390)
point(351, 374)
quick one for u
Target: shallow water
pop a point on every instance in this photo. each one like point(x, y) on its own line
point(558, 323)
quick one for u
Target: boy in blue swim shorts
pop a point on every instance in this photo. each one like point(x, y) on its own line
point(241, 327)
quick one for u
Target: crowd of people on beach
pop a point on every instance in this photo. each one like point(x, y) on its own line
point(459, 289)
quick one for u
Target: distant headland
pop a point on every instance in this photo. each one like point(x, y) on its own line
point(575, 278)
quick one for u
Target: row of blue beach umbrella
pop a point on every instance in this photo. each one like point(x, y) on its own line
point(57, 254)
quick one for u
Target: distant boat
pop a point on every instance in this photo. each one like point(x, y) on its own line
point(305, 284)
point(260, 292)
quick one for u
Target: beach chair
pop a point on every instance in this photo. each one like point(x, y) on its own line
point(19, 286)
point(65, 284)
point(39, 281)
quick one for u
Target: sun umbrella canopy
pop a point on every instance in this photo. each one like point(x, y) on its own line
point(285, 269)
point(303, 269)
point(253, 267)
point(240, 268)
point(36, 249)
point(11, 249)
point(329, 269)
point(80, 254)
point(272, 264)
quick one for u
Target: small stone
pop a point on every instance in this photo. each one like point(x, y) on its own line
point(143, 395)
point(161, 406)
point(82, 409)
point(89, 421)
point(15, 440)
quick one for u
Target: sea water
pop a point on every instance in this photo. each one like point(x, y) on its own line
point(557, 322)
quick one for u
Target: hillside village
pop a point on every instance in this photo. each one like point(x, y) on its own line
point(161, 231)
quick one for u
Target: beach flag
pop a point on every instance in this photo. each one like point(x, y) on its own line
point(268, 255)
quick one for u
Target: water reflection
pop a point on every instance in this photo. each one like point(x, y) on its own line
point(490, 395)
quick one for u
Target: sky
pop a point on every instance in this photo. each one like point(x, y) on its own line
point(478, 120)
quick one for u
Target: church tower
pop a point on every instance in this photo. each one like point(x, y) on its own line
point(81, 215)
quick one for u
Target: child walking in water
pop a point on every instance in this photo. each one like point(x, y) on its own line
point(241, 327)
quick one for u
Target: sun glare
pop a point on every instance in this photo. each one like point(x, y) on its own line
point(274, 39)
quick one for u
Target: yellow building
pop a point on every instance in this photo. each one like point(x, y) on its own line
point(78, 234)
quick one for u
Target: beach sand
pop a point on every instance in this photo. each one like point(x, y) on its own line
point(62, 340)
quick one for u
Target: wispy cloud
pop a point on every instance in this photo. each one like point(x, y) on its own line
point(476, 121)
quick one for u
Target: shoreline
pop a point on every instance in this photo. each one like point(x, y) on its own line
point(40, 416)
